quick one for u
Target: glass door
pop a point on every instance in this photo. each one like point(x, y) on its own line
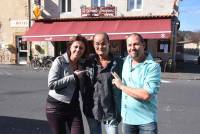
point(21, 50)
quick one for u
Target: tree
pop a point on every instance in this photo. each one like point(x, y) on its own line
point(184, 36)
point(195, 36)
point(180, 36)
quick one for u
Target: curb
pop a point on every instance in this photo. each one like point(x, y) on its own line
point(15, 67)
point(198, 78)
point(180, 76)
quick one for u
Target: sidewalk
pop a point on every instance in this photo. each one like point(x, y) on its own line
point(184, 71)
point(188, 70)
point(181, 76)
point(14, 66)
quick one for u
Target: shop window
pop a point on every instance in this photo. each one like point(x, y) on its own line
point(164, 46)
point(115, 48)
point(134, 4)
point(146, 45)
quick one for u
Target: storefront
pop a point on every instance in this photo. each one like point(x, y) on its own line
point(158, 32)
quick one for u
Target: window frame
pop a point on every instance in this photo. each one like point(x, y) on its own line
point(164, 43)
point(65, 6)
point(62, 6)
point(69, 5)
point(99, 3)
point(135, 6)
point(37, 2)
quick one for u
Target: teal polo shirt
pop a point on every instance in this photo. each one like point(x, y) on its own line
point(145, 75)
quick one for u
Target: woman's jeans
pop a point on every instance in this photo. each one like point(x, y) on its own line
point(150, 128)
point(111, 127)
point(64, 118)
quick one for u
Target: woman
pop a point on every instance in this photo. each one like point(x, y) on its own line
point(101, 101)
point(63, 109)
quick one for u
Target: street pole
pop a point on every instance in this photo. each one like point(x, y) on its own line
point(174, 41)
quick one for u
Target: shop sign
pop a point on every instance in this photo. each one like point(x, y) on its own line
point(98, 11)
point(37, 11)
point(19, 23)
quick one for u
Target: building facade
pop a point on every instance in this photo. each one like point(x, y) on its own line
point(72, 8)
point(13, 24)
point(57, 20)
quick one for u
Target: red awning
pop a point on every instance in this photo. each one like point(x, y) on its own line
point(116, 29)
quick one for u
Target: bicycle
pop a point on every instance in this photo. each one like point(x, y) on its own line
point(34, 63)
point(47, 62)
point(43, 63)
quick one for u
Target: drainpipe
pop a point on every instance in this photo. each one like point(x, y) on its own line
point(29, 13)
point(29, 55)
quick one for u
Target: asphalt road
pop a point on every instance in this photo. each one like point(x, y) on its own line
point(23, 94)
point(179, 107)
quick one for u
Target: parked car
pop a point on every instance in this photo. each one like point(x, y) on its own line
point(198, 60)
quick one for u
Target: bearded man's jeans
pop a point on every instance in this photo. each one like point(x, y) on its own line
point(150, 128)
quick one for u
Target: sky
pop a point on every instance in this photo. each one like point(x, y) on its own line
point(189, 15)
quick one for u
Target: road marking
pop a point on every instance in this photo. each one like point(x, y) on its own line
point(165, 81)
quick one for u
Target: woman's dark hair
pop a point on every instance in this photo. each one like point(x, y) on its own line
point(77, 38)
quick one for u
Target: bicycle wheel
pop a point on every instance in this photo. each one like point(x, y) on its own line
point(48, 65)
point(35, 65)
